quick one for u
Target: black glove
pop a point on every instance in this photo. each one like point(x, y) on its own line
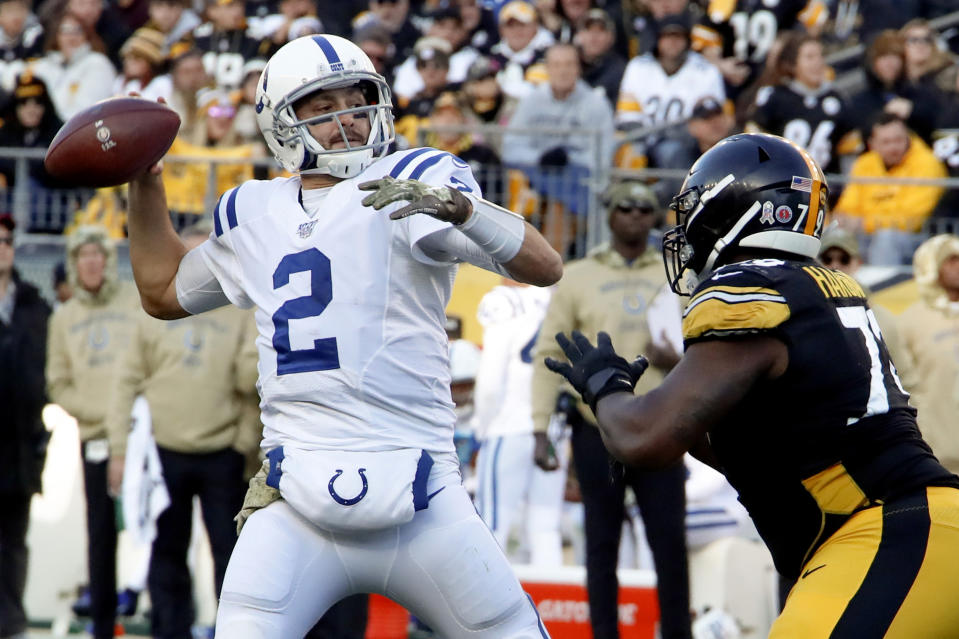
point(554, 157)
point(596, 371)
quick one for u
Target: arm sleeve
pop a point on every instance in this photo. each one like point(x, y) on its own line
point(220, 260)
point(197, 289)
point(134, 370)
point(61, 386)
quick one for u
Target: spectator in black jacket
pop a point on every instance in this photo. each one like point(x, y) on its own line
point(602, 66)
point(23, 339)
point(888, 90)
point(29, 121)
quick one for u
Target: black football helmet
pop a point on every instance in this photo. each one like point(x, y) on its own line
point(751, 190)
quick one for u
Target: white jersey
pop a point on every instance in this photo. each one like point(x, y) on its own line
point(511, 317)
point(353, 354)
point(648, 96)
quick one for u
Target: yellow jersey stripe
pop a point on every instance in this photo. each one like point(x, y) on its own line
point(734, 290)
point(704, 38)
point(716, 316)
point(814, 14)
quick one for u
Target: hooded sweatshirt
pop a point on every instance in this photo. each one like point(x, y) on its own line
point(88, 336)
point(929, 330)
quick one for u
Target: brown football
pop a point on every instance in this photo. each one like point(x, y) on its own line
point(111, 142)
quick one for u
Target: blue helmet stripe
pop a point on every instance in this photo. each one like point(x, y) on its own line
point(331, 56)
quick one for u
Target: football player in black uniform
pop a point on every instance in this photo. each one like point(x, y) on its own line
point(737, 35)
point(788, 388)
point(801, 105)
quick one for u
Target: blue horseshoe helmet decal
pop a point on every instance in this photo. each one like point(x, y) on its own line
point(353, 500)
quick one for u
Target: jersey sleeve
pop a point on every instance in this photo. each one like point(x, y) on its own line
point(734, 302)
point(219, 255)
point(764, 109)
point(629, 105)
point(436, 168)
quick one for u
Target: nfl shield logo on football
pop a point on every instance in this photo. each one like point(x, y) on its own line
point(784, 214)
point(306, 229)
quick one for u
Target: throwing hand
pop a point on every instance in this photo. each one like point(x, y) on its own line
point(442, 202)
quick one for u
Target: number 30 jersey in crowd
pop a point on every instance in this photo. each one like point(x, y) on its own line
point(834, 434)
point(350, 310)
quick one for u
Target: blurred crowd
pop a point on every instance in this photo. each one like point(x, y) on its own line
point(539, 96)
point(542, 99)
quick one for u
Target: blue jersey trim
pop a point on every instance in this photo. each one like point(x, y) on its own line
point(425, 164)
point(402, 164)
point(217, 226)
point(231, 208)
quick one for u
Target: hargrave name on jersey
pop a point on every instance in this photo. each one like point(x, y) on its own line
point(835, 284)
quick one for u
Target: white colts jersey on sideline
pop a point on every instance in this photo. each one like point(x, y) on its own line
point(648, 96)
point(350, 312)
point(511, 317)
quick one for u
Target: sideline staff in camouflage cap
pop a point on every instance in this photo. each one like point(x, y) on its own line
point(630, 195)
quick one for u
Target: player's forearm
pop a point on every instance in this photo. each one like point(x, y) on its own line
point(537, 262)
point(155, 248)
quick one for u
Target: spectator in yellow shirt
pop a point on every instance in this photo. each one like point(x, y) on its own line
point(889, 216)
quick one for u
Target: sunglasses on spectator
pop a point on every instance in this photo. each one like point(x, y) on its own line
point(836, 258)
point(629, 208)
point(926, 39)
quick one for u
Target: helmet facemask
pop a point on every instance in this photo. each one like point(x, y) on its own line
point(290, 130)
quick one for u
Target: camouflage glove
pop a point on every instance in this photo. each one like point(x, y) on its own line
point(258, 495)
point(442, 202)
point(596, 371)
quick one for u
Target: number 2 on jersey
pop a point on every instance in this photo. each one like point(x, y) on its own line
point(323, 356)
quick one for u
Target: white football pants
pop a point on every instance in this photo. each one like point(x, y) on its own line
point(507, 477)
point(443, 566)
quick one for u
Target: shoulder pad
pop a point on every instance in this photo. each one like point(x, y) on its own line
point(413, 163)
point(738, 299)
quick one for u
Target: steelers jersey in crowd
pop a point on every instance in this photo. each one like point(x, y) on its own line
point(834, 434)
point(225, 53)
point(747, 29)
point(817, 120)
point(946, 148)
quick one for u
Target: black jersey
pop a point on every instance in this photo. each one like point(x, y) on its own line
point(225, 53)
point(946, 148)
point(818, 121)
point(747, 29)
point(835, 433)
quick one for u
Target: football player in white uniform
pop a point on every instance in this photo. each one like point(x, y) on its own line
point(503, 422)
point(361, 490)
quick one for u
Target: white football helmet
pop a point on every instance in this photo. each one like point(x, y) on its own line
point(307, 65)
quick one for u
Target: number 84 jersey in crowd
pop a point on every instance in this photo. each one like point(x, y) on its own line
point(350, 311)
point(832, 434)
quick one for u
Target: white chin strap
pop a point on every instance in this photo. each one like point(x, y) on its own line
point(728, 239)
